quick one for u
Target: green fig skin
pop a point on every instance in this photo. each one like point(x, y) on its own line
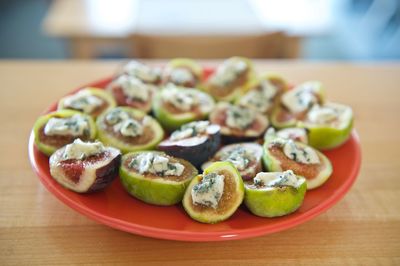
point(42, 120)
point(113, 141)
point(281, 124)
point(274, 202)
point(157, 191)
point(208, 214)
point(190, 64)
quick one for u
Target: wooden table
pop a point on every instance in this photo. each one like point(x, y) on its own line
point(364, 228)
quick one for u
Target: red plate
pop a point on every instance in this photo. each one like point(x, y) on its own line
point(115, 208)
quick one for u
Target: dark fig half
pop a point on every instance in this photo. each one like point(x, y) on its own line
point(195, 141)
point(84, 166)
point(246, 157)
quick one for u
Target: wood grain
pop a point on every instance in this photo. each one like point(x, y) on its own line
point(363, 229)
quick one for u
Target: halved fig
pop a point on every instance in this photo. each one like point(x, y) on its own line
point(175, 106)
point(183, 72)
point(195, 141)
point(328, 126)
point(129, 129)
point(275, 194)
point(293, 133)
point(238, 123)
point(246, 157)
point(85, 166)
point(131, 91)
point(57, 129)
point(230, 78)
point(295, 103)
point(155, 177)
point(215, 195)
point(147, 74)
point(285, 154)
point(91, 101)
point(263, 93)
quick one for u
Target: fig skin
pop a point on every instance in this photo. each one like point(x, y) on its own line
point(190, 64)
point(273, 164)
point(101, 176)
point(250, 171)
point(100, 93)
point(211, 216)
point(42, 120)
point(196, 153)
point(113, 141)
point(171, 121)
point(157, 191)
point(274, 202)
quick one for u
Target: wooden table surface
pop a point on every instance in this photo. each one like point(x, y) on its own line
point(364, 228)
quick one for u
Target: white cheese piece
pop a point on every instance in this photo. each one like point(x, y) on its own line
point(239, 117)
point(301, 98)
point(134, 88)
point(116, 115)
point(209, 191)
point(294, 133)
point(75, 125)
point(322, 114)
point(256, 100)
point(129, 128)
point(84, 101)
point(268, 89)
point(80, 150)
point(181, 75)
point(228, 72)
point(156, 164)
point(305, 155)
point(184, 100)
point(190, 130)
point(239, 156)
point(273, 179)
point(142, 71)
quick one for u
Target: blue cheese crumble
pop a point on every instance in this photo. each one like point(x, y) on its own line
point(84, 101)
point(302, 97)
point(76, 125)
point(153, 163)
point(238, 156)
point(228, 72)
point(305, 155)
point(273, 179)
point(209, 191)
point(239, 117)
point(191, 129)
point(80, 150)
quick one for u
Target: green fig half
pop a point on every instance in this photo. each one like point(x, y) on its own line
point(145, 176)
point(285, 154)
point(129, 129)
point(57, 129)
point(328, 126)
point(183, 72)
point(215, 195)
point(275, 194)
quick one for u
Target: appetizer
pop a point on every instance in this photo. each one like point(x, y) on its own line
point(238, 123)
point(275, 194)
point(91, 101)
point(131, 91)
point(195, 141)
point(293, 133)
point(263, 94)
point(54, 130)
point(155, 177)
point(175, 106)
point(230, 79)
point(296, 103)
point(183, 72)
point(285, 154)
point(215, 195)
point(129, 129)
point(85, 166)
point(246, 157)
point(147, 74)
point(328, 125)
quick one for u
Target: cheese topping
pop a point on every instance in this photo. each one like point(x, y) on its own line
point(302, 97)
point(333, 114)
point(190, 130)
point(239, 117)
point(115, 116)
point(294, 133)
point(183, 100)
point(209, 191)
point(83, 101)
point(134, 88)
point(228, 72)
point(142, 72)
point(260, 99)
point(287, 178)
point(153, 163)
point(181, 76)
point(80, 150)
point(123, 123)
point(75, 125)
point(305, 155)
point(239, 156)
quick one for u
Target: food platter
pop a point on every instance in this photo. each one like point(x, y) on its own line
point(116, 208)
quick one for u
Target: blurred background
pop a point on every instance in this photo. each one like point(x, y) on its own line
point(308, 29)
